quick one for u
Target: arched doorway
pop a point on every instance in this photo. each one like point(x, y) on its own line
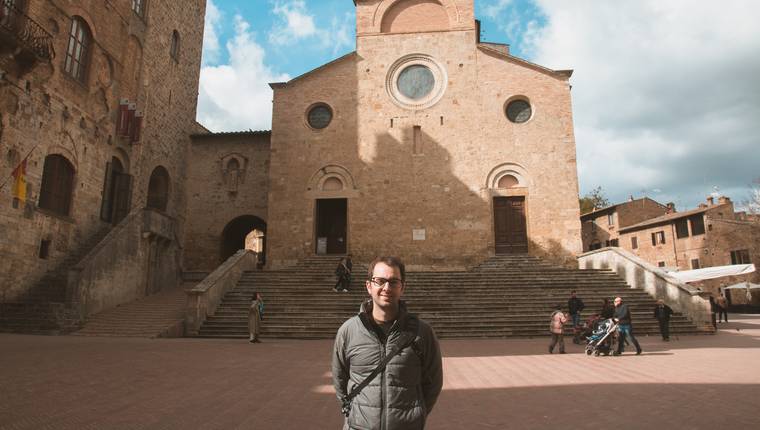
point(244, 232)
point(158, 189)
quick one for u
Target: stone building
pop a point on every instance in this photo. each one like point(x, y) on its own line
point(424, 142)
point(97, 99)
point(711, 235)
point(601, 227)
point(228, 179)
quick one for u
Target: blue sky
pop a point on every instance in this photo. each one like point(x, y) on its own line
point(666, 94)
point(333, 22)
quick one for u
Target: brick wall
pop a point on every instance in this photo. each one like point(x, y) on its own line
point(217, 196)
point(46, 112)
point(440, 184)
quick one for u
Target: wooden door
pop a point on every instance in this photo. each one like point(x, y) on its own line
point(510, 229)
point(331, 226)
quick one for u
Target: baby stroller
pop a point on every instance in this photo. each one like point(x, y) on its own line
point(585, 329)
point(600, 341)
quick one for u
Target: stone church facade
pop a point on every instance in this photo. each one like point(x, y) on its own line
point(97, 100)
point(425, 143)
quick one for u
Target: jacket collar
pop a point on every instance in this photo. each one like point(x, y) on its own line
point(365, 313)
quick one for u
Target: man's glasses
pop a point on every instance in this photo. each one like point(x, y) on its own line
point(393, 282)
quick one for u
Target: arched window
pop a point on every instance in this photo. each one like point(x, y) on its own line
point(158, 189)
point(138, 7)
point(174, 52)
point(78, 50)
point(57, 185)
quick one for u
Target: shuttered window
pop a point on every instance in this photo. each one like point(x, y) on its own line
point(78, 50)
point(697, 225)
point(682, 228)
point(57, 185)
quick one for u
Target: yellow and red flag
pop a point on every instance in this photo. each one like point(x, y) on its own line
point(19, 181)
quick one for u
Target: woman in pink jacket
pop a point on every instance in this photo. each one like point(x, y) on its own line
point(555, 327)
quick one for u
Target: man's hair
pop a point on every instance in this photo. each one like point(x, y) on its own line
point(572, 292)
point(389, 261)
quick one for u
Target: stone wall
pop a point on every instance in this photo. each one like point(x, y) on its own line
point(642, 275)
point(428, 170)
point(218, 195)
point(44, 111)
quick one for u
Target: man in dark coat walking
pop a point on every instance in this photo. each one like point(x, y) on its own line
point(625, 330)
point(662, 313)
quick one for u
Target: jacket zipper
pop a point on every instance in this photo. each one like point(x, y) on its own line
point(382, 387)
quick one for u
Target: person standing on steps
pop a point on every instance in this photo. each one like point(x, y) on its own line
point(386, 363)
point(343, 272)
point(608, 310)
point(625, 330)
point(662, 313)
point(255, 313)
point(556, 325)
point(575, 306)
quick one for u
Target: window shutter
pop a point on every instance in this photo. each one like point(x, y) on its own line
point(106, 208)
point(123, 192)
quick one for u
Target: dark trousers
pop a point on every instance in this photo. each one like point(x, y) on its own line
point(557, 337)
point(712, 317)
point(664, 328)
point(626, 331)
point(343, 283)
point(722, 313)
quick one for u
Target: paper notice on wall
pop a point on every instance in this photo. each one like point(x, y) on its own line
point(418, 234)
point(321, 245)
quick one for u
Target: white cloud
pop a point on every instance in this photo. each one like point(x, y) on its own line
point(211, 47)
point(236, 96)
point(495, 9)
point(665, 94)
point(296, 25)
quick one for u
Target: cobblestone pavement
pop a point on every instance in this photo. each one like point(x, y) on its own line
point(696, 382)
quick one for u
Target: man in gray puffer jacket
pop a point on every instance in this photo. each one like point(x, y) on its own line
point(402, 396)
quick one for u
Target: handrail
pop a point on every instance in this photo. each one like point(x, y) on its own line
point(31, 34)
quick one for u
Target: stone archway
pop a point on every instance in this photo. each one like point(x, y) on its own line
point(244, 232)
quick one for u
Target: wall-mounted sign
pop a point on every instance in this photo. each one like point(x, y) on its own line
point(418, 234)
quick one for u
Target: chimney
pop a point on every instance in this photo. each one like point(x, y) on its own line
point(671, 208)
point(722, 200)
point(702, 206)
point(630, 199)
point(711, 200)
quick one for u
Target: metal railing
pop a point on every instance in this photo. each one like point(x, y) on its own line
point(26, 30)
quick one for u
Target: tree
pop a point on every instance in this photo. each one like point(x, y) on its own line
point(594, 199)
point(752, 202)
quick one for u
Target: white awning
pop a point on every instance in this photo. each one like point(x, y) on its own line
point(713, 272)
point(743, 286)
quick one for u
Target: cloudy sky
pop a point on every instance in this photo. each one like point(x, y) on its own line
point(666, 93)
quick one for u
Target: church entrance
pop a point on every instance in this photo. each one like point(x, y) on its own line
point(331, 226)
point(510, 228)
point(245, 232)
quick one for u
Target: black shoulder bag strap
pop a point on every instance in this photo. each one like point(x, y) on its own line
point(411, 338)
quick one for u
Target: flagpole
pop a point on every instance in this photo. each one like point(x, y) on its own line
point(19, 165)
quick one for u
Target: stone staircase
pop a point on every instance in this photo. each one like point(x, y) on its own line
point(44, 308)
point(158, 315)
point(505, 296)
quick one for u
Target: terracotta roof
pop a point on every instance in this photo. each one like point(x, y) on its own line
point(666, 219)
point(601, 210)
point(564, 73)
point(282, 84)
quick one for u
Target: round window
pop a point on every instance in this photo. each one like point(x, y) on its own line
point(519, 111)
point(416, 81)
point(319, 116)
